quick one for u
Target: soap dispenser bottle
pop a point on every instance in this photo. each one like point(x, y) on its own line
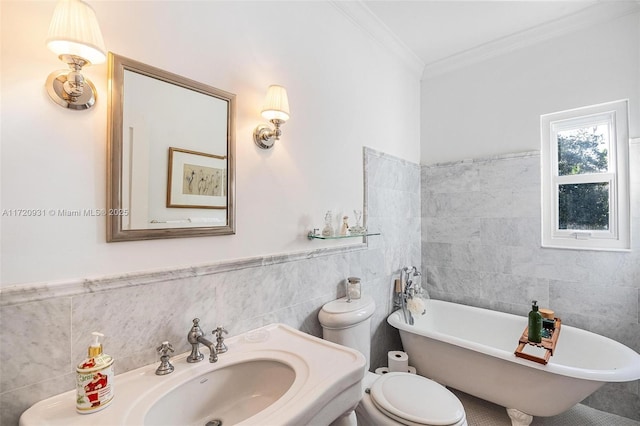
point(94, 379)
point(535, 324)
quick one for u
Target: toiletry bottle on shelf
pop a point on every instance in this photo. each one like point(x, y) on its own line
point(535, 324)
point(344, 229)
point(327, 231)
point(94, 379)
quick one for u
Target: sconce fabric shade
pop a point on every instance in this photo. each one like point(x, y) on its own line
point(74, 30)
point(276, 104)
point(276, 110)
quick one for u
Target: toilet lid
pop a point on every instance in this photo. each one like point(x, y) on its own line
point(339, 314)
point(417, 399)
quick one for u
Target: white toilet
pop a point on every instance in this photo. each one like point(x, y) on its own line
point(392, 398)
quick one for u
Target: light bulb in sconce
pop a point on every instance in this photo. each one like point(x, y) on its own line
point(276, 110)
point(74, 35)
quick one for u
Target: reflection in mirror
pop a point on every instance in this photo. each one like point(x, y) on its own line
point(171, 155)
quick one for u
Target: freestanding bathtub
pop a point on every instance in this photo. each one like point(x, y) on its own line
point(472, 349)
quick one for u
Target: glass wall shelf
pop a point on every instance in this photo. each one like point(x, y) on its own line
point(315, 236)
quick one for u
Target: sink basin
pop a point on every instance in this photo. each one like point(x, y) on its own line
point(229, 395)
point(274, 375)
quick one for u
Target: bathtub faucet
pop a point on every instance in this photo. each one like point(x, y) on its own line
point(409, 274)
point(406, 290)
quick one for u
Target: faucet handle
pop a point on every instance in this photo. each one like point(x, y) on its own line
point(219, 330)
point(165, 365)
point(220, 346)
point(164, 348)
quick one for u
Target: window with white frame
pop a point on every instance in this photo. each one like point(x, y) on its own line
point(585, 178)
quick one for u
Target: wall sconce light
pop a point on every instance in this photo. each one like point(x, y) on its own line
point(74, 35)
point(276, 110)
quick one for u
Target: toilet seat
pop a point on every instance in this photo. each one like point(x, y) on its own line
point(415, 400)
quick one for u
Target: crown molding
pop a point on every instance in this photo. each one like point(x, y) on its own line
point(362, 17)
point(600, 12)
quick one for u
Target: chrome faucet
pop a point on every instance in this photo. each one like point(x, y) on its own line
point(195, 338)
point(406, 290)
point(410, 273)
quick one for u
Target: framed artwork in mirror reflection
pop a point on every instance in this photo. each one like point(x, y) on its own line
point(196, 180)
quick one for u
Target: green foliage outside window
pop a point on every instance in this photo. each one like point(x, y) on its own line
point(583, 205)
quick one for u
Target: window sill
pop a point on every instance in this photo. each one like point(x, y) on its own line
point(565, 247)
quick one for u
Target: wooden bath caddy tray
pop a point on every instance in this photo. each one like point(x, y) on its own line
point(549, 344)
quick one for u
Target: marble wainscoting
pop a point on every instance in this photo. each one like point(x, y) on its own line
point(481, 247)
point(46, 327)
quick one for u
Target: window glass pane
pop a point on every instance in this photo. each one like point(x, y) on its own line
point(584, 206)
point(583, 150)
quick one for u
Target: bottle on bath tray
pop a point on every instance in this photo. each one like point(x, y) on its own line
point(535, 324)
point(94, 379)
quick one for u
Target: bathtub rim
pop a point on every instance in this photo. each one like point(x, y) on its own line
point(628, 373)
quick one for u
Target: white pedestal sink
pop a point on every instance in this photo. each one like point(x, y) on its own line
point(274, 375)
point(229, 394)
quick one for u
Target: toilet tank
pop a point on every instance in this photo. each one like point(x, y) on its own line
point(349, 323)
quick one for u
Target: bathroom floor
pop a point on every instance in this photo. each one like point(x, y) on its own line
point(484, 413)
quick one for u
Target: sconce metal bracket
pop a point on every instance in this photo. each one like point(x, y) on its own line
point(55, 88)
point(264, 136)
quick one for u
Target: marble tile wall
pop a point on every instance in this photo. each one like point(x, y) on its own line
point(481, 247)
point(392, 195)
point(45, 329)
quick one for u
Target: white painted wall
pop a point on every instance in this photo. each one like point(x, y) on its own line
point(345, 92)
point(493, 107)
